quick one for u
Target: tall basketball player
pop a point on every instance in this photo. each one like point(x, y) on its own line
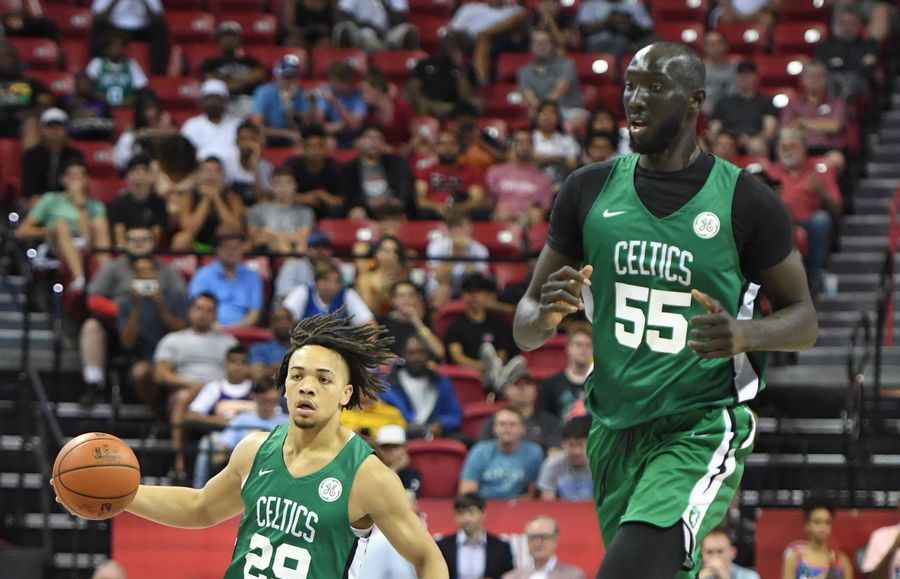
point(310, 489)
point(674, 366)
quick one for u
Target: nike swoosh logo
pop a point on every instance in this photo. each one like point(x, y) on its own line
point(263, 472)
point(608, 213)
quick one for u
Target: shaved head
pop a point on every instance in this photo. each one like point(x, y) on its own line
point(677, 60)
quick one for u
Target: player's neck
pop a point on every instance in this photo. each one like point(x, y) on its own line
point(680, 155)
point(318, 438)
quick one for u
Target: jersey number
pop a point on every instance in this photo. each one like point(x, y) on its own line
point(285, 552)
point(670, 341)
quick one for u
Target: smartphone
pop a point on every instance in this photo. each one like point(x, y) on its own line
point(145, 287)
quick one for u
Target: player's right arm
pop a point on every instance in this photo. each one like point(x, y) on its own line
point(190, 508)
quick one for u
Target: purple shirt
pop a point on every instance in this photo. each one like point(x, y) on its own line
point(515, 187)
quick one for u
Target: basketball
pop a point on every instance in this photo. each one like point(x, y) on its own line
point(96, 475)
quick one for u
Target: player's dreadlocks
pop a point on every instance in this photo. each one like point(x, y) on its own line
point(363, 348)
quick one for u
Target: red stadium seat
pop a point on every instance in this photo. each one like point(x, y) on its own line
point(263, 267)
point(475, 414)
point(220, 6)
point(537, 236)
point(439, 8)
point(552, 355)
point(416, 235)
point(73, 21)
point(278, 155)
point(596, 69)
point(343, 233)
point(504, 101)
point(40, 53)
point(98, 157)
point(195, 54)
point(60, 83)
point(10, 176)
point(780, 69)
point(746, 39)
point(188, 26)
point(323, 57)
point(445, 316)
point(269, 55)
point(185, 264)
point(506, 273)
point(184, 4)
point(679, 10)
point(509, 63)
point(440, 461)
point(804, 10)
point(397, 64)
point(140, 51)
point(501, 239)
point(798, 37)
point(427, 127)
point(75, 54)
point(431, 29)
point(342, 156)
point(105, 190)
point(259, 27)
point(690, 33)
point(250, 335)
point(176, 93)
point(466, 382)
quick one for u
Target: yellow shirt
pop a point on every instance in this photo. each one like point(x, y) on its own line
point(369, 421)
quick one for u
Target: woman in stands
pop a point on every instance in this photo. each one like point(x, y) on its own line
point(150, 124)
point(813, 558)
point(554, 149)
point(374, 286)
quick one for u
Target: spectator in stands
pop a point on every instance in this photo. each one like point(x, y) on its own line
point(178, 171)
point(238, 289)
point(17, 106)
point(109, 570)
point(69, 221)
point(446, 275)
point(442, 84)
point(762, 12)
point(542, 533)
point(879, 16)
point(318, 177)
point(89, 115)
point(141, 19)
point(391, 440)
point(472, 552)
point(339, 105)
point(599, 146)
point(280, 106)
point(375, 176)
point(549, 16)
point(518, 188)
point(205, 207)
point(821, 118)
point(551, 77)
point(721, 74)
point(99, 335)
point(852, 60)
point(26, 18)
point(448, 184)
point(566, 475)
point(281, 225)
point(559, 392)
point(214, 132)
point(393, 112)
point(427, 399)
point(265, 415)
point(603, 120)
point(481, 147)
point(371, 416)
point(504, 468)
point(298, 271)
point(725, 146)
point(882, 555)
point(811, 196)
point(554, 149)
point(116, 76)
point(488, 28)
point(374, 26)
point(43, 164)
point(520, 391)
point(614, 26)
point(308, 23)
point(407, 319)
point(248, 172)
point(813, 557)
point(389, 268)
point(220, 401)
point(138, 205)
point(241, 72)
point(327, 295)
point(718, 555)
point(746, 113)
point(187, 360)
point(266, 357)
point(149, 127)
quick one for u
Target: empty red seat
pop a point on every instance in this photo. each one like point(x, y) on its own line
point(595, 69)
point(430, 29)
point(798, 37)
point(220, 6)
point(475, 414)
point(690, 33)
point(105, 190)
point(552, 355)
point(191, 26)
point(75, 54)
point(504, 101)
point(777, 70)
point(10, 176)
point(278, 155)
point(40, 53)
point(173, 5)
point(467, 382)
point(323, 57)
point(269, 55)
point(176, 93)
point(746, 39)
point(60, 83)
point(509, 63)
point(440, 461)
point(506, 273)
point(537, 236)
point(99, 159)
point(250, 335)
point(73, 21)
point(808, 10)
point(259, 27)
point(439, 8)
point(446, 314)
point(343, 233)
point(140, 51)
point(501, 239)
point(683, 10)
point(416, 235)
point(397, 64)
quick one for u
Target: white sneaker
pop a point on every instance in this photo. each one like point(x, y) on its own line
point(77, 284)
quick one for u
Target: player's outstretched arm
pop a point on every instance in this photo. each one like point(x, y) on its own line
point(189, 508)
point(378, 494)
point(554, 293)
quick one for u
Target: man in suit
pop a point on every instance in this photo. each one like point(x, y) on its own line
point(543, 534)
point(473, 553)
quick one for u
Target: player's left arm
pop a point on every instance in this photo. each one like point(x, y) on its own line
point(378, 494)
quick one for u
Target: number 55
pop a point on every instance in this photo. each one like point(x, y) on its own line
point(676, 325)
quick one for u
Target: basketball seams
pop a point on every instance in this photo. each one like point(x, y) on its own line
point(82, 443)
point(71, 490)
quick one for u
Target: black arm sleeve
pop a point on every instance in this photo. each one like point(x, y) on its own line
point(574, 201)
point(763, 231)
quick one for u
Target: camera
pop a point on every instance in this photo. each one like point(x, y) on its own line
point(145, 287)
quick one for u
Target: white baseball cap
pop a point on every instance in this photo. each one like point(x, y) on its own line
point(54, 115)
point(214, 87)
point(391, 434)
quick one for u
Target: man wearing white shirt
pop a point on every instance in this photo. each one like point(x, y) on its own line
point(374, 25)
point(543, 537)
point(141, 19)
point(213, 133)
point(327, 295)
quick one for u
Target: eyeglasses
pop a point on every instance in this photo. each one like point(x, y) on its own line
point(139, 238)
point(544, 537)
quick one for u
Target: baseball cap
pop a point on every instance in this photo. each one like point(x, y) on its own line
point(54, 115)
point(214, 87)
point(288, 65)
point(318, 239)
point(229, 27)
point(391, 434)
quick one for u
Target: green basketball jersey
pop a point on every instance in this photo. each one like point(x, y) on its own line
point(644, 269)
point(114, 80)
point(296, 528)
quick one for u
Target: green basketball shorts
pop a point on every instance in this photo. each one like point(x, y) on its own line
point(678, 469)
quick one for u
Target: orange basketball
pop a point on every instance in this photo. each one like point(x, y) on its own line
point(96, 475)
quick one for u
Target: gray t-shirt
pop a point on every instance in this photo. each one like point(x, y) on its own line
point(113, 279)
point(196, 357)
point(720, 81)
point(278, 218)
point(570, 483)
point(542, 79)
point(374, 182)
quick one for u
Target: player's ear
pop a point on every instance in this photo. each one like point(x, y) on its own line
point(698, 97)
point(346, 394)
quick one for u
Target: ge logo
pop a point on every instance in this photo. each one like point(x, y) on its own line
point(706, 225)
point(330, 490)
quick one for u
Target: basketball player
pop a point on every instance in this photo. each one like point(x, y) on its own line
point(311, 488)
point(674, 366)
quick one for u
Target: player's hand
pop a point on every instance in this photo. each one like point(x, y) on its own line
point(561, 295)
point(716, 334)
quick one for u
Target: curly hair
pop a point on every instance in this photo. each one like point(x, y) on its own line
point(363, 349)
